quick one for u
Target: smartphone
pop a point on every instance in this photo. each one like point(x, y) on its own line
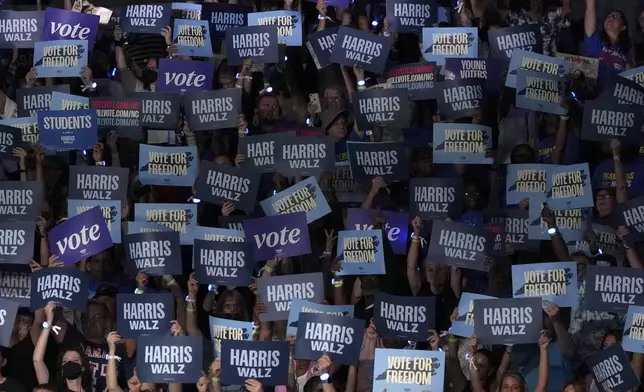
point(315, 99)
point(142, 191)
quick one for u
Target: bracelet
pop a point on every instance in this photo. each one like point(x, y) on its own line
point(326, 253)
point(100, 163)
point(191, 310)
point(268, 268)
point(214, 379)
point(616, 157)
point(368, 132)
point(108, 357)
point(337, 283)
point(139, 291)
point(415, 241)
point(565, 118)
point(361, 88)
point(452, 339)
point(170, 282)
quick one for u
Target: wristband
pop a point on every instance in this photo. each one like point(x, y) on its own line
point(169, 280)
point(361, 82)
point(326, 253)
point(565, 118)
point(368, 133)
point(139, 291)
point(337, 283)
point(46, 325)
point(108, 357)
point(452, 339)
point(268, 268)
point(191, 310)
point(214, 379)
point(100, 163)
point(361, 88)
point(415, 241)
point(616, 157)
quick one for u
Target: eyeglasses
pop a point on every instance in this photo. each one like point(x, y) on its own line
point(333, 99)
point(604, 196)
point(96, 317)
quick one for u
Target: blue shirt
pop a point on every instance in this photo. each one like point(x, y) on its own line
point(547, 144)
point(612, 60)
point(525, 360)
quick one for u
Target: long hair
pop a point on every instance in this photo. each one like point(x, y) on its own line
point(517, 376)
point(242, 311)
point(86, 376)
point(623, 43)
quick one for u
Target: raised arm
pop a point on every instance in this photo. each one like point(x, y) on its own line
point(590, 18)
point(542, 383)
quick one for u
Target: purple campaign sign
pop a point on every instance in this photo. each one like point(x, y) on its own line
point(335, 3)
point(80, 237)
point(396, 225)
point(66, 25)
point(179, 76)
point(278, 236)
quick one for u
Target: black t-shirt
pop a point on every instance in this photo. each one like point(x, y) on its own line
point(20, 365)
point(446, 301)
point(12, 385)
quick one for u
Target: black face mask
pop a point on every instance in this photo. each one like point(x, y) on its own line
point(148, 76)
point(71, 370)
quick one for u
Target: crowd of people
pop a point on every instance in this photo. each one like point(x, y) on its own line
point(56, 347)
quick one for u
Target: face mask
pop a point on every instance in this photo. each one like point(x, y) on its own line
point(148, 76)
point(71, 370)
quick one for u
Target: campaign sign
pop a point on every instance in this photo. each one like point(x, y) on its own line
point(217, 234)
point(305, 196)
point(68, 287)
point(460, 98)
point(360, 252)
point(303, 306)
point(186, 11)
point(111, 210)
point(408, 370)
point(11, 138)
point(524, 181)
point(8, 313)
point(406, 318)
point(508, 320)
point(145, 19)
point(624, 92)
point(64, 101)
point(569, 187)
point(145, 227)
point(278, 236)
point(20, 200)
point(223, 16)
point(160, 165)
point(355, 47)
point(258, 43)
point(17, 241)
point(586, 66)
point(159, 111)
point(605, 120)
point(552, 282)
point(612, 370)
point(64, 25)
point(540, 92)
point(176, 359)
point(442, 42)
point(464, 324)
point(606, 240)
point(417, 78)
point(304, 156)
point(396, 225)
point(222, 263)
point(224, 329)
point(410, 16)
point(219, 184)
point(28, 129)
point(181, 218)
point(387, 106)
point(460, 244)
point(538, 63)
point(631, 215)
point(288, 23)
point(259, 150)
point(277, 292)
point(462, 143)
point(215, 109)
point(120, 114)
point(335, 336)
point(155, 253)
point(385, 159)
point(15, 283)
point(20, 29)
point(60, 59)
point(347, 190)
point(31, 100)
point(571, 223)
point(504, 41)
point(80, 237)
point(266, 362)
point(144, 314)
point(180, 76)
point(633, 336)
point(514, 224)
point(98, 183)
point(68, 129)
point(232, 222)
point(613, 289)
point(320, 45)
point(489, 70)
point(191, 38)
point(435, 198)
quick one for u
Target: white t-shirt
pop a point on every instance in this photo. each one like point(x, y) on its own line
point(10, 109)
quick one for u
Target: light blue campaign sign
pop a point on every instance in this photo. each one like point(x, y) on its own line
point(217, 234)
point(159, 165)
point(28, 128)
point(64, 101)
point(179, 217)
point(111, 211)
point(572, 223)
point(569, 187)
point(56, 59)
point(192, 38)
point(186, 11)
point(224, 329)
point(637, 76)
point(553, 282)
point(289, 25)
point(464, 323)
point(304, 196)
point(442, 42)
point(361, 252)
point(531, 61)
point(524, 181)
point(145, 227)
point(425, 370)
point(633, 338)
point(462, 143)
point(68, 129)
point(303, 306)
point(540, 92)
